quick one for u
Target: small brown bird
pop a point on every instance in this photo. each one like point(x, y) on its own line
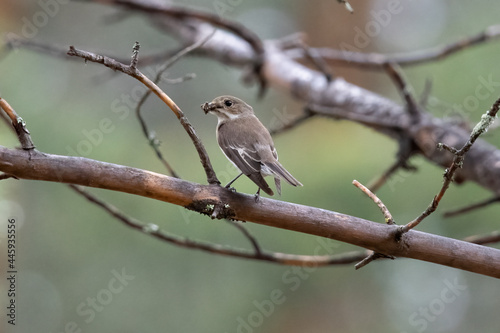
point(247, 143)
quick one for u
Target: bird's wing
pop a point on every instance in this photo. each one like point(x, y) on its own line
point(245, 158)
point(243, 154)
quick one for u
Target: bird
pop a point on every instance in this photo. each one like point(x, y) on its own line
point(247, 143)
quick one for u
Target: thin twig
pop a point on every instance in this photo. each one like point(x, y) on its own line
point(236, 28)
point(298, 40)
point(378, 61)
point(7, 176)
point(19, 125)
point(248, 235)
point(396, 75)
point(493, 237)
point(113, 64)
point(292, 124)
point(316, 59)
point(383, 208)
point(150, 136)
point(414, 111)
point(373, 256)
point(426, 93)
point(406, 150)
point(135, 56)
point(13, 42)
point(276, 257)
point(377, 183)
point(388, 219)
point(486, 120)
point(472, 207)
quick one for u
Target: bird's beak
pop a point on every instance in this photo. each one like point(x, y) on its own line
point(207, 107)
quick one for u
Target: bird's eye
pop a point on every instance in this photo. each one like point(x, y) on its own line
point(228, 102)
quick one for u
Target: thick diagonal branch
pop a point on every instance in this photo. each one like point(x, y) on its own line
point(370, 235)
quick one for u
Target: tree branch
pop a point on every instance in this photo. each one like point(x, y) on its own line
point(150, 136)
point(276, 257)
point(184, 13)
point(472, 207)
point(329, 96)
point(132, 71)
point(18, 124)
point(378, 61)
point(374, 236)
point(340, 99)
point(459, 155)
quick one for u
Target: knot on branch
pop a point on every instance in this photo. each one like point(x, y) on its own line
point(216, 209)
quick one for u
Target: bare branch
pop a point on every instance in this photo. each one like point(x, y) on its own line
point(396, 75)
point(378, 61)
point(426, 93)
point(387, 214)
point(135, 56)
point(339, 99)
point(370, 235)
point(183, 13)
point(6, 176)
point(486, 120)
point(113, 64)
point(276, 257)
point(472, 207)
point(316, 59)
point(14, 42)
point(400, 163)
point(292, 124)
point(388, 219)
point(306, 85)
point(493, 237)
point(373, 256)
point(249, 236)
point(19, 125)
point(153, 140)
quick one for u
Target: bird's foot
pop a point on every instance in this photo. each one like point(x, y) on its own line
point(257, 196)
point(230, 188)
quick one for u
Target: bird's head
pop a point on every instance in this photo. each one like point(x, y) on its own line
point(227, 108)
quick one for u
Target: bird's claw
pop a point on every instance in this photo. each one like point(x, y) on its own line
point(230, 188)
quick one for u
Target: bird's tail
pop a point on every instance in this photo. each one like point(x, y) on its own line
point(280, 171)
point(261, 183)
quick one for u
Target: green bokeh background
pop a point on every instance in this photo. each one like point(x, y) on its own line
point(69, 251)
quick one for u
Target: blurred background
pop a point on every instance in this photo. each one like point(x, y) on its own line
point(80, 269)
